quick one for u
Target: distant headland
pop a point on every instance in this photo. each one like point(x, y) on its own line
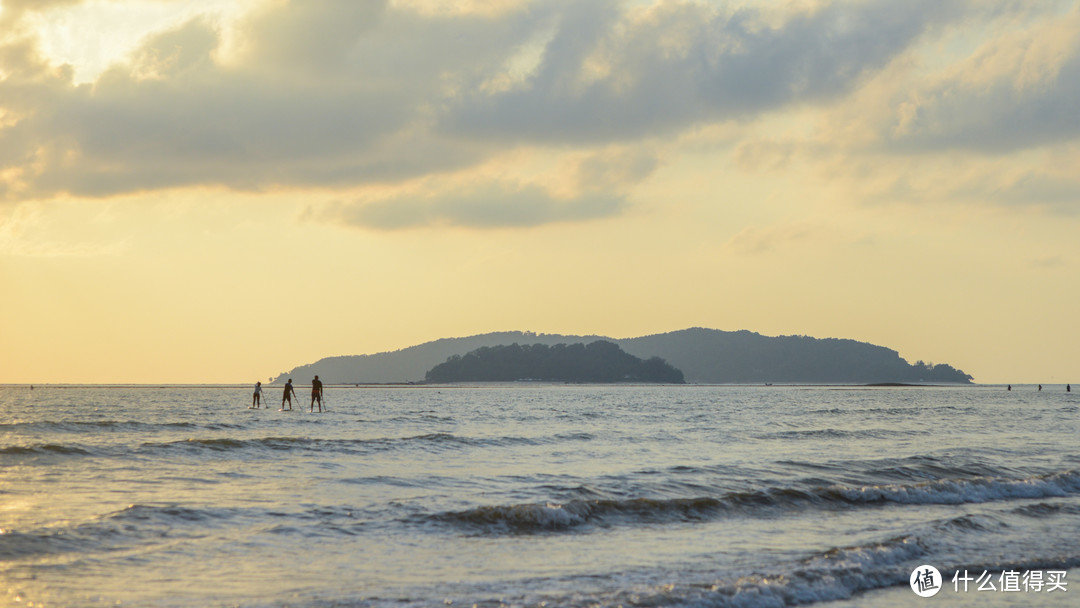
point(704, 356)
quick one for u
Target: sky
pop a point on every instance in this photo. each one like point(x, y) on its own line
point(221, 190)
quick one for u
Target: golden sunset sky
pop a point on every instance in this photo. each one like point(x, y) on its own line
point(220, 190)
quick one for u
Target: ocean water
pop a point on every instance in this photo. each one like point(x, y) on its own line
point(538, 495)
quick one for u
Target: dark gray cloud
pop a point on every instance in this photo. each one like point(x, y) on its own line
point(174, 117)
point(338, 93)
point(997, 117)
point(721, 67)
point(309, 101)
point(317, 37)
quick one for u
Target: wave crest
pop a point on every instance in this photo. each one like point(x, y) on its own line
point(545, 517)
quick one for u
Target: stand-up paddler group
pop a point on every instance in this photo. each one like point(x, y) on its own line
point(287, 396)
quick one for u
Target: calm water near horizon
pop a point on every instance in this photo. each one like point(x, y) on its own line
point(537, 495)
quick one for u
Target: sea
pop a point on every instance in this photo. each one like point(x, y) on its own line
point(541, 495)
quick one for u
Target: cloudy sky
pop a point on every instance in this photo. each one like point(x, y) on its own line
point(220, 190)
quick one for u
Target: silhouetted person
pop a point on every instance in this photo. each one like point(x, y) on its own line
point(1010, 388)
point(256, 398)
point(1040, 387)
point(316, 393)
point(290, 392)
point(1068, 388)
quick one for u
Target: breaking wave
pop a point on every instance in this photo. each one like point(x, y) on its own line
point(546, 517)
point(43, 449)
point(430, 441)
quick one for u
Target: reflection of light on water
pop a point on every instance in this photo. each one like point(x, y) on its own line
point(16, 505)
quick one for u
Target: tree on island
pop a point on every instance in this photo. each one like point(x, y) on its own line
point(928, 372)
point(599, 362)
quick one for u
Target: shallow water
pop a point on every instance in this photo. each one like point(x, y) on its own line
point(526, 494)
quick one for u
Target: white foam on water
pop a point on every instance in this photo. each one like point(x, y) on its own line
point(962, 491)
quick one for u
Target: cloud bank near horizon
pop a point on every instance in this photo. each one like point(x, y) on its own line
point(337, 95)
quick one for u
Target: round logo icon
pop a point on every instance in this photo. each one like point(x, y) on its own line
point(925, 581)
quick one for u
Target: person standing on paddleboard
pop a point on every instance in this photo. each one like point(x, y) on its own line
point(316, 393)
point(288, 395)
point(256, 399)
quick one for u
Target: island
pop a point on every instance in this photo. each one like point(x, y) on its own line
point(597, 362)
point(704, 356)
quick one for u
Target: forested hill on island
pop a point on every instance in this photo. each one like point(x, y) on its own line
point(705, 356)
point(598, 362)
